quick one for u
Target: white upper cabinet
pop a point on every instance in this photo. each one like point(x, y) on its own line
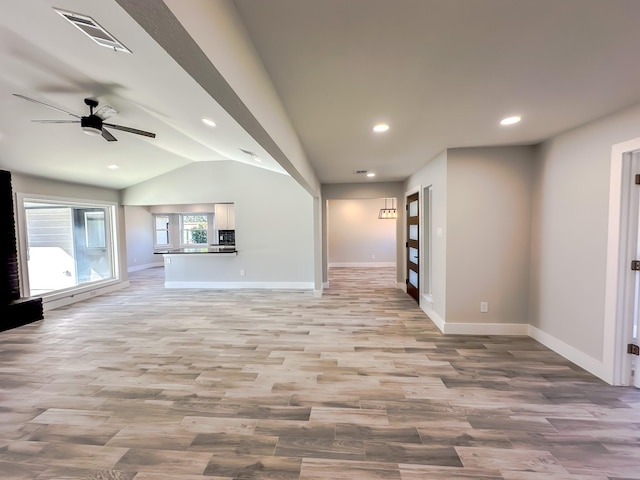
point(225, 216)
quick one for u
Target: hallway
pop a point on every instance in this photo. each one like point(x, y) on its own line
point(155, 384)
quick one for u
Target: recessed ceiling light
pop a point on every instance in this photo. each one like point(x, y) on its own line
point(510, 120)
point(209, 122)
point(113, 167)
point(371, 174)
point(380, 127)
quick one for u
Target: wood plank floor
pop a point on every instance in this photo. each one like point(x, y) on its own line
point(155, 384)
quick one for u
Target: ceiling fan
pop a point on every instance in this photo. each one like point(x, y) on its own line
point(92, 124)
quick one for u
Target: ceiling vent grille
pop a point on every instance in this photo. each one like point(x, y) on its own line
point(361, 172)
point(93, 30)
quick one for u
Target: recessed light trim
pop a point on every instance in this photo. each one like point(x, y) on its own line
point(371, 174)
point(113, 166)
point(381, 127)
point(209, 122)
point(510, 120)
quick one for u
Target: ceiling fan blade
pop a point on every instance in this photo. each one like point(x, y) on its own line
point(106, 134)
point(45, 104)
point(56, 121)
point(130, 130)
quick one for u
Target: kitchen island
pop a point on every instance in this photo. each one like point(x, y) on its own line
point(214, 249)
point(208, 266)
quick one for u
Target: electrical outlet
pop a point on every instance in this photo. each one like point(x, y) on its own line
point(484, 307)
point(242, 272)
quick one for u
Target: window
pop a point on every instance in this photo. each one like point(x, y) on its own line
point(95, 231)
point(161, 223)
point(182, 229)
point(68, 244)
point(194, 228)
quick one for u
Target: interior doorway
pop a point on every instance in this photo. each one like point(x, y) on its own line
point(357, 237)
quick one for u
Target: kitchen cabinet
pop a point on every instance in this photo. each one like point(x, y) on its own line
point(225, 216)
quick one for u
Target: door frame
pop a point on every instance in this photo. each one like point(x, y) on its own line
point(416, 189)
point(624, 197)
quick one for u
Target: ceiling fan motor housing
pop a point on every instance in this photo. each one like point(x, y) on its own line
point(91, 125)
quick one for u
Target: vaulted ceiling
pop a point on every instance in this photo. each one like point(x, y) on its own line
point(441, 73)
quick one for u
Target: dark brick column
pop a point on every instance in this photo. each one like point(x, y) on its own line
point(14, 311)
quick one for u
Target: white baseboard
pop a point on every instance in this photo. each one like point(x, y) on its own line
point(401, 286)
point(435, 318)
point(449, 328)
point(63, 300)
point(137, 268)
point(243, 285)
point(362, 264)
point(590, 364)
point(520, 329)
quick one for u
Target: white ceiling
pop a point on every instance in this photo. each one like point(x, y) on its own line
point(442, 73)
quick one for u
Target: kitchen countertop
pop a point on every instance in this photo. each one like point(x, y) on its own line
point(206, 250)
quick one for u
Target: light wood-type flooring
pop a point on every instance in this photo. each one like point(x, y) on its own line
point(155, 384)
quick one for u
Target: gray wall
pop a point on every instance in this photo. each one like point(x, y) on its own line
point(139, 234)
point(569, 230)
point(488, 242)
point(274, 216)
point(43, 186)
point(481, 204)
point(357, 236)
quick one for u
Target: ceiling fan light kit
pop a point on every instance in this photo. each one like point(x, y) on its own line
point(91, 125)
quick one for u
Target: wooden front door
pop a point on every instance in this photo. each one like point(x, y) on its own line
point(413, 247)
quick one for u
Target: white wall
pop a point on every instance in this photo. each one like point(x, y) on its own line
point(139, 235)
point(42, 186)
point(274, 216)
point(434, 174)
point(488, 241)
point(356, 236)
point(569, 230)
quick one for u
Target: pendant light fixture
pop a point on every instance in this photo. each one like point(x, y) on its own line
point(388, 213)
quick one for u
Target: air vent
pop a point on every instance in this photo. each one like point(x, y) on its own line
point(93, 30)
point(361, 172)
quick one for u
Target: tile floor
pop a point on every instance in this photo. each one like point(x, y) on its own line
point(154, 384)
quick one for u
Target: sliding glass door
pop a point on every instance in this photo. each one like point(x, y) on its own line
point(68, 245)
